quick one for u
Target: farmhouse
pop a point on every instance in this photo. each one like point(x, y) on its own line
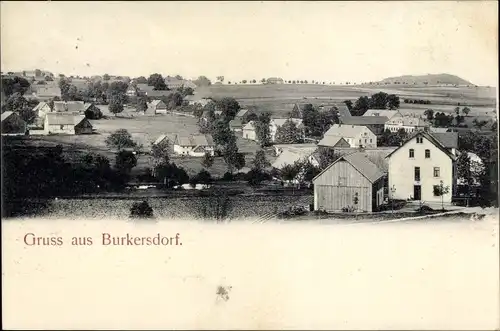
point(243, 113)
point(146, 90)
point(174, 83)
point(275, 123)
point(75, 106)
point(47, 92)
point(343, 110)
point(333, 142)
point(290, 156)
point(418, 166)
point(374, 123)
point(351, 182)
point(236, 125)
point(249, 131)
point(195, 145)
point(41, 109)
point(131, 90)
point(409, 124)
point(355, 135)
point(382, 112)
point(66, 123)
point(275, 80)
point(13, 124)
point(279, 148)
point(194, 100)
point(157, 107)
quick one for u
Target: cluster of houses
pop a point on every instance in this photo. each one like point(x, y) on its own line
point(62, 118)
point(366, 174)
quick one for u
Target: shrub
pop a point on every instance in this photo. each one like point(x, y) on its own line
point(141, 210)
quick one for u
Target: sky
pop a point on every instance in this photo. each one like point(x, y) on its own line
point(325, 41)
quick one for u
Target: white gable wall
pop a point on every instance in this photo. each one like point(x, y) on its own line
point(401, 171)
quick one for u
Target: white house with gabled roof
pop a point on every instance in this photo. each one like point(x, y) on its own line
point(418, 166)
point(355, 135)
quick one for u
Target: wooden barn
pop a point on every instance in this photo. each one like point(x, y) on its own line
point(13, 124)
point(351, 182)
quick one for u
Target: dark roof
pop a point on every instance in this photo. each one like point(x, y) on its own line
point(433, 139)
point(447, 139)
point(361, 163)
point(364, 120)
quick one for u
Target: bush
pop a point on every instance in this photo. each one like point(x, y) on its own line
point(141, 210)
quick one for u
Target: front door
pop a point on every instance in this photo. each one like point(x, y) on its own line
point(417, 192)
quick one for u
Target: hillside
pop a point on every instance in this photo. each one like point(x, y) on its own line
point(430, 79)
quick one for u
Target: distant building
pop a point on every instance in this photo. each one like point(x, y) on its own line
point(41, 109)
point(291, 155)
point(195, 145)
point(351, 182)
point(156, 107)
point(194, 100)
point(236, 125)
point(275, 80)
point(382, 112)
point(418, 166)
point(66, 123)
point(280, 148)
point(13, 124)
point(355, 135)
point(243, 113)
point(75, 106)
point(409, 124)
point(174, 83)
point(374, 123)
point(47, 92)
point(333, 142)
point(249, 131)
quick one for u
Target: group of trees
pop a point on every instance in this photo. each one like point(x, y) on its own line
point(316, 122)
point(486, 147)
point(380, 100)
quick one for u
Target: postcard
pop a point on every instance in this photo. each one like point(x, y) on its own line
point(266, 165)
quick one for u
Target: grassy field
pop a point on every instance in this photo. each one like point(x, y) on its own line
point(279, 99)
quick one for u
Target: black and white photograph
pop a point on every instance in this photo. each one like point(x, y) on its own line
point(251, 165)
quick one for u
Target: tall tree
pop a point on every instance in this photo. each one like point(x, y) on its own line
point(158, 82)
point(115, 105)
point(262, 130)
point(202, 81)
point(260, 161)
point(125, 161)
point(288, 133)
point(120, 139)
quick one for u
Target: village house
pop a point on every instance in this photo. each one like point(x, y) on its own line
point(174, 83)
point(66, 123)
point(279, 148)
point(13, 124)
point(243, 113)
point(382, 112)
point(249, 131)
point(75, 106)
point(333, 142)
point(409, 124)
point(420, 164)
point(194, 100)
point(236, 125)
point(275, 123)
point(343, 110)
point(275, 80)
point(131, 90)
point(374, 123)
point(156, 107)
point(41, 109)
point(47, 92)
point(291, 155)
point(352, 182)
point(194, 145)
point(355, 135)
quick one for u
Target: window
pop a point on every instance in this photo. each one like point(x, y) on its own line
point(417, 174)
point(437, 172)
point(365, 141)
point(420, 140)
point(371, 140)
point(62, 127)
point(427, 153)
point(412, 153)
